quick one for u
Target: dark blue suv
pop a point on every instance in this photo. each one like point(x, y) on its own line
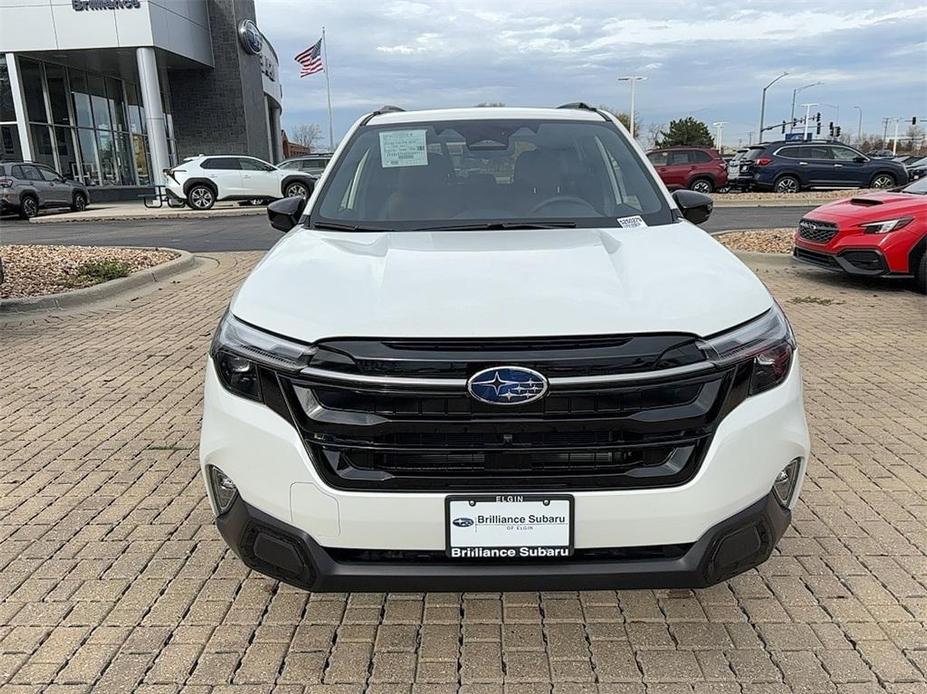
point(788, 167)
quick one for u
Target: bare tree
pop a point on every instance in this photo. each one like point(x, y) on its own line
point(653, 133)
point(624, 118)
point(307, 135)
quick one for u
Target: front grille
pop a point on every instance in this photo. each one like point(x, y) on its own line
point(365, 430)
point(816, 232)
point(822, 259)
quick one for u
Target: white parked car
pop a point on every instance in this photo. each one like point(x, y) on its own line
point(201, 181)
point(493, 353)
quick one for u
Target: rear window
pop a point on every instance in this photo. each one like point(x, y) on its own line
point(753, 153)
point(698, 157)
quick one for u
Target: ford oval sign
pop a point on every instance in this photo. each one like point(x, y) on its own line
point(462, 522)
point(507, 385)
point(249, 37)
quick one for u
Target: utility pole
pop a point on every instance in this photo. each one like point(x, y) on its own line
point(763, 103)
point(632, 79)
point(718, 142)
point(807, 119)
point(795, 93)
point(859, 125)
point(749, 137)
point(884, 130)
point(895, 140)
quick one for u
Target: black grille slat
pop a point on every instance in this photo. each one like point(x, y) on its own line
point(817, 232)
point(582, 436)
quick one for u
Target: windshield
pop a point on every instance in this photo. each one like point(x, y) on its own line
point(479, 172)
point(919, 187)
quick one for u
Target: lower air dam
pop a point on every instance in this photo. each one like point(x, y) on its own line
point(508, 552)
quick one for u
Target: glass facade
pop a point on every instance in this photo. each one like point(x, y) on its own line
point(88, 126)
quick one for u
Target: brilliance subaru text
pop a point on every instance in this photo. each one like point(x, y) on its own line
point(492, 352)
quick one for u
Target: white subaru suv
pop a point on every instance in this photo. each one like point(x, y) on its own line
point(202, 180)
point(493, 353)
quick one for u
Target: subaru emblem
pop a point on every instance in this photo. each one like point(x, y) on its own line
point(507, 385)
point(462, 522)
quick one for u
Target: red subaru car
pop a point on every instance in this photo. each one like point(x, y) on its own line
point(698, 168)
point(875, 233)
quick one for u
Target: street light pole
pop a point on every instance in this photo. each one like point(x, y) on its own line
point(795, 93)
point(859, 125)
point(807, 119)
point(720, 126)
point(763, 103)
point(632, 79)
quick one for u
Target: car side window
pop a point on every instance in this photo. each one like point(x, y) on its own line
point(31, 173)
point(820, 152)
point(288, 165)
point(50, 175)
point(227, 163)
point(17, 172)
point(657, 158)
point(843, 153)
point(677, 158)
point(792, 153)
point(248, 164)
point(697, 157)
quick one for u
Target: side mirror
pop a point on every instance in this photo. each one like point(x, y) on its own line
point(860, 160)
point(696, 207)
point(284, 214)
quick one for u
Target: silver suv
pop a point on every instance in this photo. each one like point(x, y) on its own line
point(27, 187)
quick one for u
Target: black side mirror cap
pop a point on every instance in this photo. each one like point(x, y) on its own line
point(860, 160)
point(284, 214)
point(696, 207)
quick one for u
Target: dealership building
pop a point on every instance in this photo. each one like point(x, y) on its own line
point(111, 92)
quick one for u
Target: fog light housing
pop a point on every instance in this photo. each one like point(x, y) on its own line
point(786, 481)
point(224, 490)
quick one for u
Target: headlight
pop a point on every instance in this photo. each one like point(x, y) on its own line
point(239, 349)
point(767, 341)
point(887, 225)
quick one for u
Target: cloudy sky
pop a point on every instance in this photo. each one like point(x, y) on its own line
point(707, 59)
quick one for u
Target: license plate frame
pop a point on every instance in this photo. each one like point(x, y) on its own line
point(512, 502)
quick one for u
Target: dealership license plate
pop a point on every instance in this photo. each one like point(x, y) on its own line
point(509, 526)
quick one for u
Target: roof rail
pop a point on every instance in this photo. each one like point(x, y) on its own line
point(582, 105)
point(578, 104)
point(380, 111)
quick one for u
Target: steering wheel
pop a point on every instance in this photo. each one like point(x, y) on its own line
point(558, 199)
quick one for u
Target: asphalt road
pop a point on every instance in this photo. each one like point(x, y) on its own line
point(252, 233)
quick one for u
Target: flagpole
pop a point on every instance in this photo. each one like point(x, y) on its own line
point(328, 86)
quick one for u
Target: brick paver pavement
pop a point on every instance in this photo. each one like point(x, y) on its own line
point(113, 578)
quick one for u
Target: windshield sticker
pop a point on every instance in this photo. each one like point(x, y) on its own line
point(403, 148)
point(631, 222)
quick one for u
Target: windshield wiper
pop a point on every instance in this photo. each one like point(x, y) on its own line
point(337, 226)
point(500, 226)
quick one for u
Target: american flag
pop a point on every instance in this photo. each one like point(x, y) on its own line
point(311, 59)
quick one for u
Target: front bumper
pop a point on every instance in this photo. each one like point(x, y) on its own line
point(281, 551)
point(864, 262)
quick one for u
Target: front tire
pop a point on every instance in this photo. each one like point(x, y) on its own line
point(787, 184)
point(883, 180)
point(920, 274)
point(296, 190)
point(201, 197)
point(79, 204)
point(702, 185)
point(28, 207)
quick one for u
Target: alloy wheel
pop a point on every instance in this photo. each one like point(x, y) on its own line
point(30, 208)
point(701, 186)
point(80, 203)
point(297, 190)
point(787, 184)
point(201, 198)
point(883, 181)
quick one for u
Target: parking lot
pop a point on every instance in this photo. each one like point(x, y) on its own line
point(113, 578)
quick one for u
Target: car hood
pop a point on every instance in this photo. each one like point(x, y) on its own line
point(317, 284)
point(870, 207)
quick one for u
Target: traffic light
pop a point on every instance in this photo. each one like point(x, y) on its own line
point(830, 128)
point(817, 117)
point(837, 131)
point(818, 126)
point(914, 120)
point(783, 127)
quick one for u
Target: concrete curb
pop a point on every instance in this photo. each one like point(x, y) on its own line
point(141, 216)
point(101, 292)
point(752, 258)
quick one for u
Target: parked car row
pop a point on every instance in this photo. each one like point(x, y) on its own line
point(27, 187)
